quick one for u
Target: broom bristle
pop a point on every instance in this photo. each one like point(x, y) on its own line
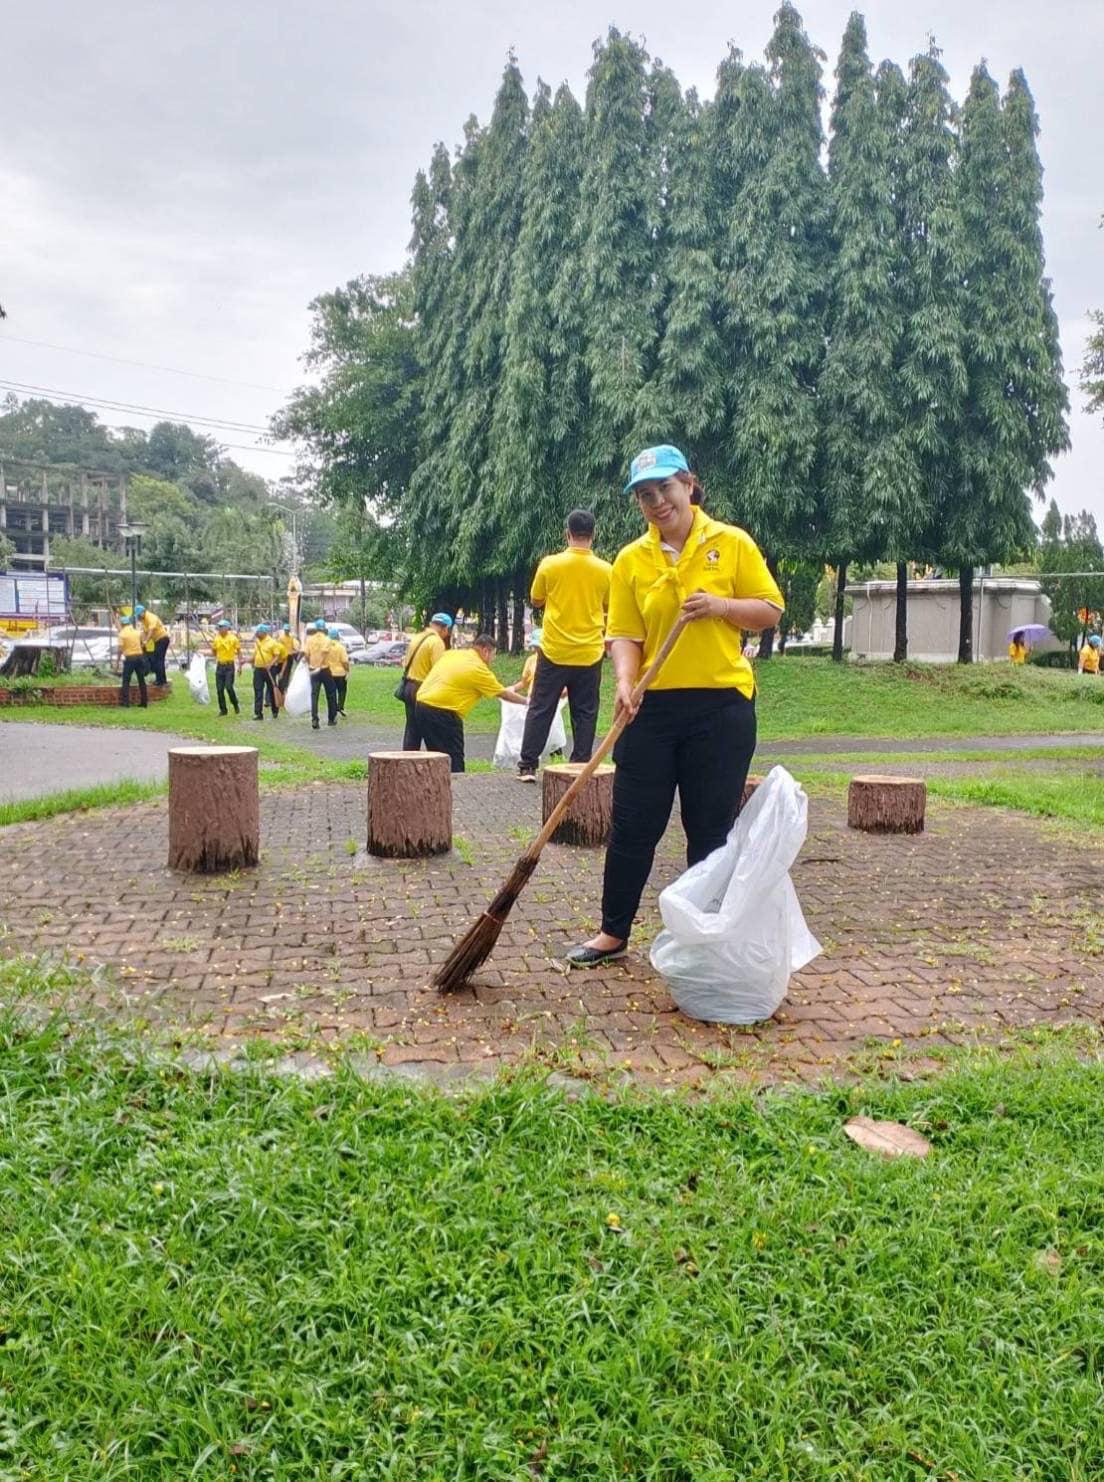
point(478, 942)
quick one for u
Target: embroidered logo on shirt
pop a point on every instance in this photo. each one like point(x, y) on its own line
point(712, 557)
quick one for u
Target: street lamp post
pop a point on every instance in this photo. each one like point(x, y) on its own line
point(132, 535)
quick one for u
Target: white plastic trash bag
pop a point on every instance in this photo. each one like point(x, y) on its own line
point(734, 930)
point(197, 680)
point(297, 696)
point(507, 752)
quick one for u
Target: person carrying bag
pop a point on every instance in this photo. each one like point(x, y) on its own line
point(421, 655)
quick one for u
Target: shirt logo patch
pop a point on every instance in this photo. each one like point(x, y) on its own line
point(712, 557)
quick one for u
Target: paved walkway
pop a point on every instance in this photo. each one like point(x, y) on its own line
point(986, 922)
point(35, 759)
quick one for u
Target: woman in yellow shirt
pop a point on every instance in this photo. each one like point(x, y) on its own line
point(226, 648)
point(1088, 660)
point(694, 730)
point(1017, 649)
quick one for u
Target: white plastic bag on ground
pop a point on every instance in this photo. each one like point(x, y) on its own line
point(507, 752)
point(197, 680)
point(734, 929)
point(297, 696)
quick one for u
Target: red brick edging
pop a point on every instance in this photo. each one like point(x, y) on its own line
point(77, 694)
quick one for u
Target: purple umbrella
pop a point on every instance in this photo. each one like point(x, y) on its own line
point(1032, 632)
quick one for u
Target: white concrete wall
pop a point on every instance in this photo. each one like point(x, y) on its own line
point(1000, 604)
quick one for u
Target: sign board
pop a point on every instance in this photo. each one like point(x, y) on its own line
point(34, 596)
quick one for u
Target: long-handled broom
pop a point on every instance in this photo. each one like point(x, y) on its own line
point(478, 942)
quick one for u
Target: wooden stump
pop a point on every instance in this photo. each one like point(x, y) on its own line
point(587, 820)
point(214, 808)
point(886, 805)
point(409, 804)
point(749, 791)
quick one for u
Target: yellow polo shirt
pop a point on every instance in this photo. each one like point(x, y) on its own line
point(573, 588)
point(1017, 653)
point(458, 681)
point(648, 588)
point(1089, 659)
point(337, 658)
point(528, 673)
point(266, 652)
point(430, 650)
point(289, 644)
point(226, 647)
point(316, 647)
point(130, 642)
point(153, 629)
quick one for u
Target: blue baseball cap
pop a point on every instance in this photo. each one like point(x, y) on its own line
point(139, 610)
point(223, 623)
point(261, 628)
point(320, 625)
point(442, 618)
point(126, 622)
point(333, 632)
point(1094, 641)
point(536, 638)
point(656, 463)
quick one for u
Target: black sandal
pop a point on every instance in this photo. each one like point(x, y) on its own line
point(585, 956)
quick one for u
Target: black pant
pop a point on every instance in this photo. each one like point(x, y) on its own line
point(224, 685)
point(412, 736)
point(157, 661)
point(137, 667)
point(583, 683)
point(341, 686)
point(262, 687)
point(322, 679)
point(700, 741)
point(442, 730)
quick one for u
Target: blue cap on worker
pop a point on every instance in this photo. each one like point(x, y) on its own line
point(287, 627)
point(1094, 641)
point(139, 610)
point(125, 622)
point(320, 625)
point(261, 628)
point(656, 463)
point(442, 618)
point(333, 633)
point(536, 637)
point(223, 623)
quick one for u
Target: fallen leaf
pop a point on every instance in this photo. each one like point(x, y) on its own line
point(1048, 1260)
point(890, 1139)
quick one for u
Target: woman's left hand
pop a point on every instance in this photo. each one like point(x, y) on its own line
point(703, 605)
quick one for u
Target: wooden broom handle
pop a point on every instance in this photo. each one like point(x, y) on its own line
point(607, 741)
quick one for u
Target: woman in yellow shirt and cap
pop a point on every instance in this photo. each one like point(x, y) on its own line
point(694, 730)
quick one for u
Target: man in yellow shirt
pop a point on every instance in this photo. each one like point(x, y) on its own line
point(134, 662)
point(573, 588)
point(226, 648)
point(337, 662)
point(155, 639)
point(422, 652)
point(267, 657)
point(457, 681)
point(1088, 660)
point(317, 649)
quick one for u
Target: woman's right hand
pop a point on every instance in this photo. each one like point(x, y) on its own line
point(624, 703)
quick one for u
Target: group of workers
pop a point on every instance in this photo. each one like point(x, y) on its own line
point(1088, 655)
point(143, 643)
point(276, 651)
point(692, 732)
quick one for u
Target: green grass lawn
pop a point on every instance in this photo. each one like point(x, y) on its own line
point(246, 1275)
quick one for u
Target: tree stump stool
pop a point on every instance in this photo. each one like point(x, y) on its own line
point(749, 791)
point(409, 804)
point(887, 805)
point(587, 820)
point(214, 808)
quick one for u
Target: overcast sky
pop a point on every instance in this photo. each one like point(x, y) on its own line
point(178, 181)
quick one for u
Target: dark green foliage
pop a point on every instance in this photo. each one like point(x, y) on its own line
point(1071, 545)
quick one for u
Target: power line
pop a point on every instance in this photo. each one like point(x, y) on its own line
point(73, 398)
point(172, 370)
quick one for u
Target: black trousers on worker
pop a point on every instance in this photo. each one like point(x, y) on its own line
point(322, 679)
point(137, 667)
point(263, 688)
point(412, 736)
point(341, 689)
point(583, 683)
point(157, 661)
point(698, 741)
point(224, 687)
point(283, 679)
point(442, 730)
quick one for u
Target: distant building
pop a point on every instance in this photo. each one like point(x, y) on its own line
point(37, 502)
point(1001, 604)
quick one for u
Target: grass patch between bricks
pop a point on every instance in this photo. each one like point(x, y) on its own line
point(240, 1274)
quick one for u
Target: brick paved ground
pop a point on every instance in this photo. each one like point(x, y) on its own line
point(985, 922)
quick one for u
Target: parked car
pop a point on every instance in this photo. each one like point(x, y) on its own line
point(389, 652)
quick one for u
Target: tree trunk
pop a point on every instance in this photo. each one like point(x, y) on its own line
point(409, 804)
point(587, 820)
point(766, 637)
point(886, 805)
point(966, 615)
point(486, 608)
point(900, 641)
point(517, 630)
point(841, 596)
point(214, 808)
point(502, 616)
